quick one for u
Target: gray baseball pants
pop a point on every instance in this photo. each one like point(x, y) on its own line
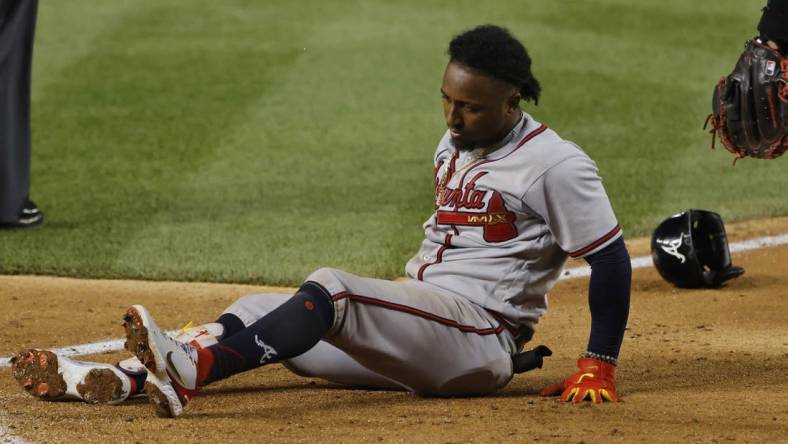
point(406, 335)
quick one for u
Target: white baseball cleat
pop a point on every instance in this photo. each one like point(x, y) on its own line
point(200, 336)
point(172, 365)
point(48, 376)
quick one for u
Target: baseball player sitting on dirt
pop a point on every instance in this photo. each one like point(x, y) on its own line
point(513, 201)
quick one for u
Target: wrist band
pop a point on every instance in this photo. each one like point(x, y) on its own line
point(608, 359)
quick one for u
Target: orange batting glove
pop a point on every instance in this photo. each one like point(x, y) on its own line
point(595, 380)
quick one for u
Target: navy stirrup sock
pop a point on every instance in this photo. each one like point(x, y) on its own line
point(288, 331)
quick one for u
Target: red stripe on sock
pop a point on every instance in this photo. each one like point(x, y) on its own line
point(204, 364)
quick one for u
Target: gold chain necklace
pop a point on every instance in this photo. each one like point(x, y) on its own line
point(443, 186)
point(477, 154)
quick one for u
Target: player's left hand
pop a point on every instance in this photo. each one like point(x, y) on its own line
point(595, 380)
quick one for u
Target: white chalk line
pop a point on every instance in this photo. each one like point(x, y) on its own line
point(7, 437)
point(572, 273)
point(85, 349)
point(645, 261)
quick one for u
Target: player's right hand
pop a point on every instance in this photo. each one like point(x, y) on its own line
point(595, 380)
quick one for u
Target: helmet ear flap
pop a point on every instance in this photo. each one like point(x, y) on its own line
point(711, 244)
point(690, 250)
point(715, 278)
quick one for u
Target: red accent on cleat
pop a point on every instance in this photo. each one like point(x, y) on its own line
point(309, 305)
point(43, 388)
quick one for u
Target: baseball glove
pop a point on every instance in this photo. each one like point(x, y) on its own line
point(750, 105)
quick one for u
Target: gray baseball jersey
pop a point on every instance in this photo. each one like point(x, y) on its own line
point(503, 227)
point(505, 224)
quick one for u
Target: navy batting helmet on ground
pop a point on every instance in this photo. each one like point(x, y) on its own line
point(690, 250)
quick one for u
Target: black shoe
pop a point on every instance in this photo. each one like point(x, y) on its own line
point(29, 216)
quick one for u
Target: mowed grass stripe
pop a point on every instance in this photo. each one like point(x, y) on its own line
point(132, 120)
point(66, 35)
point(314, 187)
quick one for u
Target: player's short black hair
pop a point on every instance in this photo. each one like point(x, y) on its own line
point(494, 51)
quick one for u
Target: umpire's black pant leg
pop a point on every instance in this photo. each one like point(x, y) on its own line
point(17, 28)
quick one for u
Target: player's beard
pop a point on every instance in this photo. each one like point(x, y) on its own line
point(464, 145)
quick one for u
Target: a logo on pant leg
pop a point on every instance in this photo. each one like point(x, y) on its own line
point(268, 351)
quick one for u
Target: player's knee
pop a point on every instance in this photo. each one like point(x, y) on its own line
point(331, 282)
point(328, 278)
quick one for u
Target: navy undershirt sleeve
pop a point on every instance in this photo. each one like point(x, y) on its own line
point(608, 297)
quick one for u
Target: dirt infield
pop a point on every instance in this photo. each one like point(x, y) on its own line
point(697, 366)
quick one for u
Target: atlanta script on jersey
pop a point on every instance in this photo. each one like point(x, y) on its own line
point(505, 223)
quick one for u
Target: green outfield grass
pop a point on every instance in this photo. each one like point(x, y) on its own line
point(250, 141)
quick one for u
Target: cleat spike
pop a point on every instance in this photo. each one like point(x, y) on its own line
point(51, 377)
